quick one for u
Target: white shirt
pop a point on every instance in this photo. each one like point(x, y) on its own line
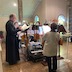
point(51, 42)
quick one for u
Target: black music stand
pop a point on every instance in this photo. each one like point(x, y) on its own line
point(60, 29)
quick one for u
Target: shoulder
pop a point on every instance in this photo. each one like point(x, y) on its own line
point(9, 23)
point(51, 33)
point(57, 33)
point(47, 33)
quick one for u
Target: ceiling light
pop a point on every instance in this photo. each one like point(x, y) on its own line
point(24, 21)
point(19, 23)
point(14, 4)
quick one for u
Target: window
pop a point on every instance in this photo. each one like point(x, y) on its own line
point(36, 19)
point(61, 20)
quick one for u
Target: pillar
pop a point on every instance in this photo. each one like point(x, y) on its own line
point(20, 10)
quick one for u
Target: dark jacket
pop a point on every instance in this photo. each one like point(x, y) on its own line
point(12, 53)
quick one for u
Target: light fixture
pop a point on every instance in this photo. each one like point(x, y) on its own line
point(24, 21)
point(19, 23)
point(14, 4)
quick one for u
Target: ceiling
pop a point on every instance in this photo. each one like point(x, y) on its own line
point(29, 6)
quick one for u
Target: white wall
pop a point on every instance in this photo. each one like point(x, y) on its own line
point(54, 8)
point(28, 19)
point(51, 9)
point(40, 11)
point(3, 21)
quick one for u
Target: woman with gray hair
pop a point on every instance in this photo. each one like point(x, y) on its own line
point(50, 41)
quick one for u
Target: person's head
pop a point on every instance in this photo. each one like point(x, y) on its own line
point(12, 17)
point(53, 27)
point(46, 24)
point(16, 25)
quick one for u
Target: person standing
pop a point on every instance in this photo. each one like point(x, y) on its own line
point(17, 35)
point(50, 41)
point(12, 53)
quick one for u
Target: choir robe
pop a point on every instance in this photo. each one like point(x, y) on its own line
point(12, 52)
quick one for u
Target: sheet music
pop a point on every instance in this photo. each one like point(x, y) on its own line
point(24, 27)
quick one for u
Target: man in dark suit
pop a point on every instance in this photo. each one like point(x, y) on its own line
point(12, 53)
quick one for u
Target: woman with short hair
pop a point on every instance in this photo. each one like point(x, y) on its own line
point(50, 41)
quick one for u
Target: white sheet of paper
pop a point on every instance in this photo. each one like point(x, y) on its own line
point(24, 27)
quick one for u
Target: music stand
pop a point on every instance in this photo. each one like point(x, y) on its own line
point(60, 29)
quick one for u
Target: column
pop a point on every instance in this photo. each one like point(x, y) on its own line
point(67, 19)
point(70, 15)
point(20, 10)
